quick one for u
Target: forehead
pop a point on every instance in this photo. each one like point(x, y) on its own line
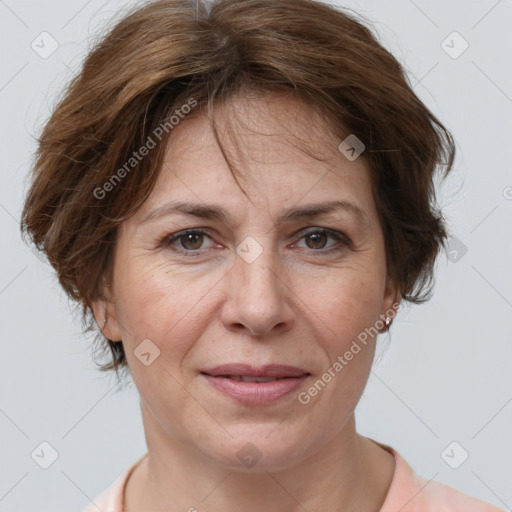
point(260, 128)
point(283, 151)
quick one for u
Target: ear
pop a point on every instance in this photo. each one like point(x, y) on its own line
point(391, 299)
point(104, 308)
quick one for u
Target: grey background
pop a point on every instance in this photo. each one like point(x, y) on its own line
point(444, 373)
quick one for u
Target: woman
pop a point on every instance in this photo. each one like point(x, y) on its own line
point(239, 194)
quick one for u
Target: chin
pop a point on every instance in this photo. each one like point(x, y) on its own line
point(259, 449)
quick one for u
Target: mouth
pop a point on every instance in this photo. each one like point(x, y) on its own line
point(247, 373)
point(243, 378)
point(256, 386)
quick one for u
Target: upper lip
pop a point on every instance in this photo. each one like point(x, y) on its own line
point(246, 370)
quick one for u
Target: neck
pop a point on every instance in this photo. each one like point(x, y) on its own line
point(349, 473)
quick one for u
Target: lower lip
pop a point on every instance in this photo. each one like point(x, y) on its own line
point(256, 393)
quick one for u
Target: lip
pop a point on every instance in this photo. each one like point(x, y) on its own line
point(246, 370)
point(255, 393)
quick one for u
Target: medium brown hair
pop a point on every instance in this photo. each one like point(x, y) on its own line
point(162, 55)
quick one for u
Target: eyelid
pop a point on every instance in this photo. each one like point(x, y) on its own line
point(339, 236)
point(319, 229)
point(173, 237)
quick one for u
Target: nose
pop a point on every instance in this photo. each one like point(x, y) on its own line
point(258, 297)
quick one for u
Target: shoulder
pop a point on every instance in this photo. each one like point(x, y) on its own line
point(410, 492)
point(111, 499)
point(441, 494)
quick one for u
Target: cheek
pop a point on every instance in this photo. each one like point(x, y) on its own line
point(343, 308)
point(349, 350)
point(161, 304)
point(345, 303)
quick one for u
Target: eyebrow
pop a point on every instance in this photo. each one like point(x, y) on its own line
point(219, 213)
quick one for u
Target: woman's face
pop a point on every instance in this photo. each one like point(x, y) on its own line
point(255, 286)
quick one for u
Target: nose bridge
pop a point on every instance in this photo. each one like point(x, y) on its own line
point(258, 278)
point(258, 297)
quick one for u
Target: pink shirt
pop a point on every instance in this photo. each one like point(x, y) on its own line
point(408, 493)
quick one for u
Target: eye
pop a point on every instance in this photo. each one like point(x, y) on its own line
point(317, 238)
point(189, 241)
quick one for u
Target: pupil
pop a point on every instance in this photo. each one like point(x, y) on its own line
point(316, 237)
point(189, 239)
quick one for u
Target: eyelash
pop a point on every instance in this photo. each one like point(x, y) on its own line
point(168, 240)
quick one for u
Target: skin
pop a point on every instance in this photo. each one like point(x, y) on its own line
point(296, 304)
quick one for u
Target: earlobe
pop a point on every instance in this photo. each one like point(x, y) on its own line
point(392, 295)
point(391, 301)
point(106, 319)
point(104, 309)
